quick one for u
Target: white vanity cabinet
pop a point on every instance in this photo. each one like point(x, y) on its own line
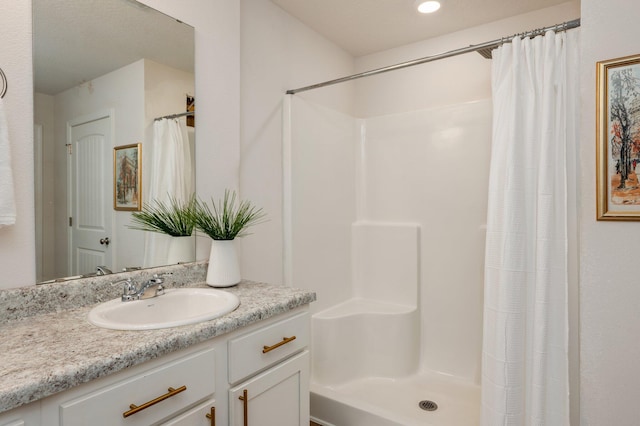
point(273, 365)
point(198, 386)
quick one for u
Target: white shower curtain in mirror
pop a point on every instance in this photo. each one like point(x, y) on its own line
point(525, 377)
point(172, 175)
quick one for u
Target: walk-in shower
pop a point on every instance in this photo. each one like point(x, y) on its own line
point(385, 219)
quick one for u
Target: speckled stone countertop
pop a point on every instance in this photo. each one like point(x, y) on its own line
point(51, 349)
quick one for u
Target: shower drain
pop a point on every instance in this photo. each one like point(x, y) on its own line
point(428, 405)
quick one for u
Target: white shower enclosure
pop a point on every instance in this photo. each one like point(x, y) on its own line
point(385, 220)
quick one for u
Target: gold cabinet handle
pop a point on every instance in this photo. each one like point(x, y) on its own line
point(135, 408)
point(245, 406)
point(284, 341)
point(212, 416)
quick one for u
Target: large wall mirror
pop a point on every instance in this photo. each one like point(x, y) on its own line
point(104, 71)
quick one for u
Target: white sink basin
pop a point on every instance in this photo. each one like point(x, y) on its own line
point(174, 308)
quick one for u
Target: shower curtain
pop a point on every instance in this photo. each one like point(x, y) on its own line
point(171, 176)
point(525, 376)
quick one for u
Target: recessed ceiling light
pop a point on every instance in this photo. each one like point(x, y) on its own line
point(427, 6)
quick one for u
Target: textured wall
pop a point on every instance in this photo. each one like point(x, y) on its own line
point(609, 282)
point(17, 243)
point(278, 53)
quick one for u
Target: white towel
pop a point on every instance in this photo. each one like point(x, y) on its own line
point(7, 200)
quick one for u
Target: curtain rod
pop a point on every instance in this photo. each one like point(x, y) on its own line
point(182, 114)
point(483, 49)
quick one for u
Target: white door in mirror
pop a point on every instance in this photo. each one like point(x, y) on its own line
point(91, 209)
point(174, 308)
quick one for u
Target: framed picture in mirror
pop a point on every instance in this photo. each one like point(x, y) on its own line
point(191, 107)
point(127, 177)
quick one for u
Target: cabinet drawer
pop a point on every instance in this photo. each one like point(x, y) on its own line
point(107, 406)
point(263, 348)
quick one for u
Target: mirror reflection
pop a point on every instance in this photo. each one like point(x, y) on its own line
point(104, 74)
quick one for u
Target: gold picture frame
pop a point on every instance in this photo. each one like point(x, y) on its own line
point(618, 138)
point(127, 177)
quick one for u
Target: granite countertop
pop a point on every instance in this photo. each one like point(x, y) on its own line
point(45, 353)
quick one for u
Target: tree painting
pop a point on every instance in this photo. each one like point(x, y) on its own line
point(127, 177)
point(624, 128)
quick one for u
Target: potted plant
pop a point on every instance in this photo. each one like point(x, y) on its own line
point(174, 219)
point(223, 221)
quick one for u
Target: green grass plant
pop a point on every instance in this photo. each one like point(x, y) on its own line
point(172, 218)
point(226, 219)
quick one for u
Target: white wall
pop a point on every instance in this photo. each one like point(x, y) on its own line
point(323, 165)
point(609, 282)
point(17, 243)
point(136, 94)
point(451, 81)
point(44, 116)
point(217, 38)
point(217, 90)
point(278, 53)
point(431, 167)
point(121, 91)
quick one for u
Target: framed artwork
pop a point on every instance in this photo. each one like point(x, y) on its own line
point(618, 138)
point(127, 177)
point(191, 107)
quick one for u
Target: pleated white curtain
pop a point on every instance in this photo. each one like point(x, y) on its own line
point(525, 374)
point(171, 176)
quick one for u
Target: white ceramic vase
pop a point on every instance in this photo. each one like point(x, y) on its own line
point(224, 269)
point(181, 250)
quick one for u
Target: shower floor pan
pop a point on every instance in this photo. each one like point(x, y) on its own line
point(394, 402)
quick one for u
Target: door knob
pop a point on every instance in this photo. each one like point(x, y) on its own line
point(104, 241)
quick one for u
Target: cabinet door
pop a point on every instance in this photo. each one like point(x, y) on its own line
point(277, 397)
point(201, 415)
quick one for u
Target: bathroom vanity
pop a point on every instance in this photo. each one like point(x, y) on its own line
point(249, 367)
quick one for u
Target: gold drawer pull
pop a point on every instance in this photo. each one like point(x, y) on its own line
point(285, 340)
point(212, 416)
point(245, 405)
point(135, 408)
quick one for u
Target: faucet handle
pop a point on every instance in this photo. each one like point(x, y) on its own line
point(166, 274)
point(129, 289)
point(159, 290)
point(157, 279)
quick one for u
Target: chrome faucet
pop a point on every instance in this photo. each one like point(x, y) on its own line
point(151, 288)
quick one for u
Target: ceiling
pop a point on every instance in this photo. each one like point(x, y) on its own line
point(75, 41)
point(365, 26)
